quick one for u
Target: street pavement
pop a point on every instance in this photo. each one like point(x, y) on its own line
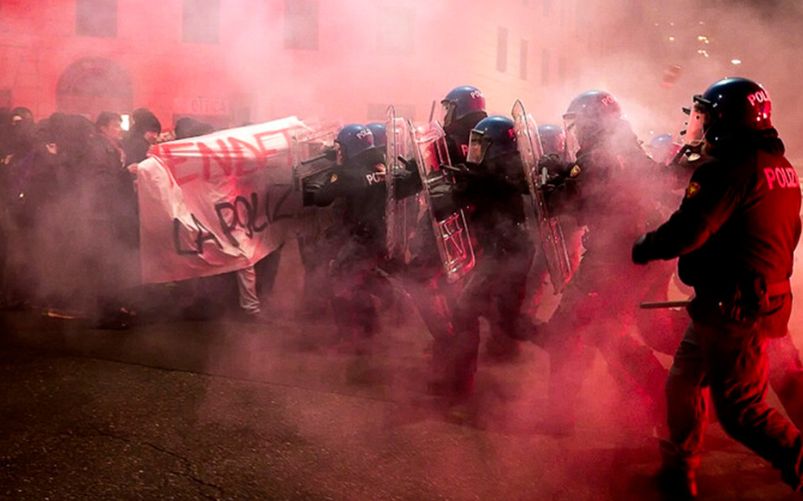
point(235, 410)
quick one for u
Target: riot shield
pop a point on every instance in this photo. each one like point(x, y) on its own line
point(548, 230)
point(399, 214)
point(308, 150)
point(451, 231)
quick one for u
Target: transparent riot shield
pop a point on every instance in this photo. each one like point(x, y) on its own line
point(451, 231)
point(548, 230)
point(400, 214)
point(309, 152)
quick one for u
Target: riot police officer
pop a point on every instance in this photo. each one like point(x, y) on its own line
point(491, 185)
point(463, 108)
point(601, 188)
point(359, 180)
point(735, 233)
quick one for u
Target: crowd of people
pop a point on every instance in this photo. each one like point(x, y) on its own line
point(69, 227)
point(474, 243)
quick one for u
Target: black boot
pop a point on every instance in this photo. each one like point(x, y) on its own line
point(677, 477)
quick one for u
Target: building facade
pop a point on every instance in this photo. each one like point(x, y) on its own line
point(230, 62)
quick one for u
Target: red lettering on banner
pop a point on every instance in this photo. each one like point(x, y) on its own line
point(166, 151)
point(262, 149)
point(238, 148)
point(223, 158)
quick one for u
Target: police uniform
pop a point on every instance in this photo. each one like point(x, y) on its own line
point(664, 330)
point(361, 186)
point(598, 306)
point(735, 233)
point(492, 192)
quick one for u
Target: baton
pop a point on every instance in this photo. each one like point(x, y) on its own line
point(656, 305)
point(432, 111)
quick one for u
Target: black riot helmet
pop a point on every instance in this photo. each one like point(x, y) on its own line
point(352, 141)
point(492, 138)
point(461, 102)
point(587, 116)
point(729, 108)
point(553, 139)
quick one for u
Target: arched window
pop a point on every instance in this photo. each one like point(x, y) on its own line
point(91, 85)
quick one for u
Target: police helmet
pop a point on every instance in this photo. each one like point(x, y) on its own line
point(380, 134)
point(460, 102)
point(491, 138)
point(354, 139)
point(553, 139)
point(662, 148)
point(731, 106)
point(593, 105)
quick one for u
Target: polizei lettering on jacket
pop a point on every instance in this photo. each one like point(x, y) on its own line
point(781, 177)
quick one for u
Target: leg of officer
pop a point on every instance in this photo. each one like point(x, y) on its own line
point(509, 292)
point(786, 376)
point(738, 374)
point(686, 406)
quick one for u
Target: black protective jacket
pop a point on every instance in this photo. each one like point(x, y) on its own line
point(612, 190)
point(364, 191)
point(739, 220)
point(493, 195)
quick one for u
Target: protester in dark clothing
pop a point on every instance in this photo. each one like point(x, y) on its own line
point(189, 127)
point(5, 228)
point(145, 129)
point(89, 189)
point(18, 169)
point(735, 233)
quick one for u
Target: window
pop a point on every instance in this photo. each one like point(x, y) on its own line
point(96, 18)
point(301, 24)
point(501, 49)
point(201, 21)
point(545, 67)
point(523, 60)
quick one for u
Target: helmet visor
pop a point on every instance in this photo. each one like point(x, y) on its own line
point(695, 128)
point(572, 145)
point(340, 154)
point(477, 147)
point(447, 113)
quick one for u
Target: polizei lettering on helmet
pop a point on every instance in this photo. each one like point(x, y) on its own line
point(758, 98)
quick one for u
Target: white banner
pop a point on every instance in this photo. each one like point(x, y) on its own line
point(217, 203)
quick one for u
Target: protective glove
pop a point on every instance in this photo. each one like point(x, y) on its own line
point(329, 153)
point(640, 252)
point(554, 166)
point(410, 164)
point(443, 199)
